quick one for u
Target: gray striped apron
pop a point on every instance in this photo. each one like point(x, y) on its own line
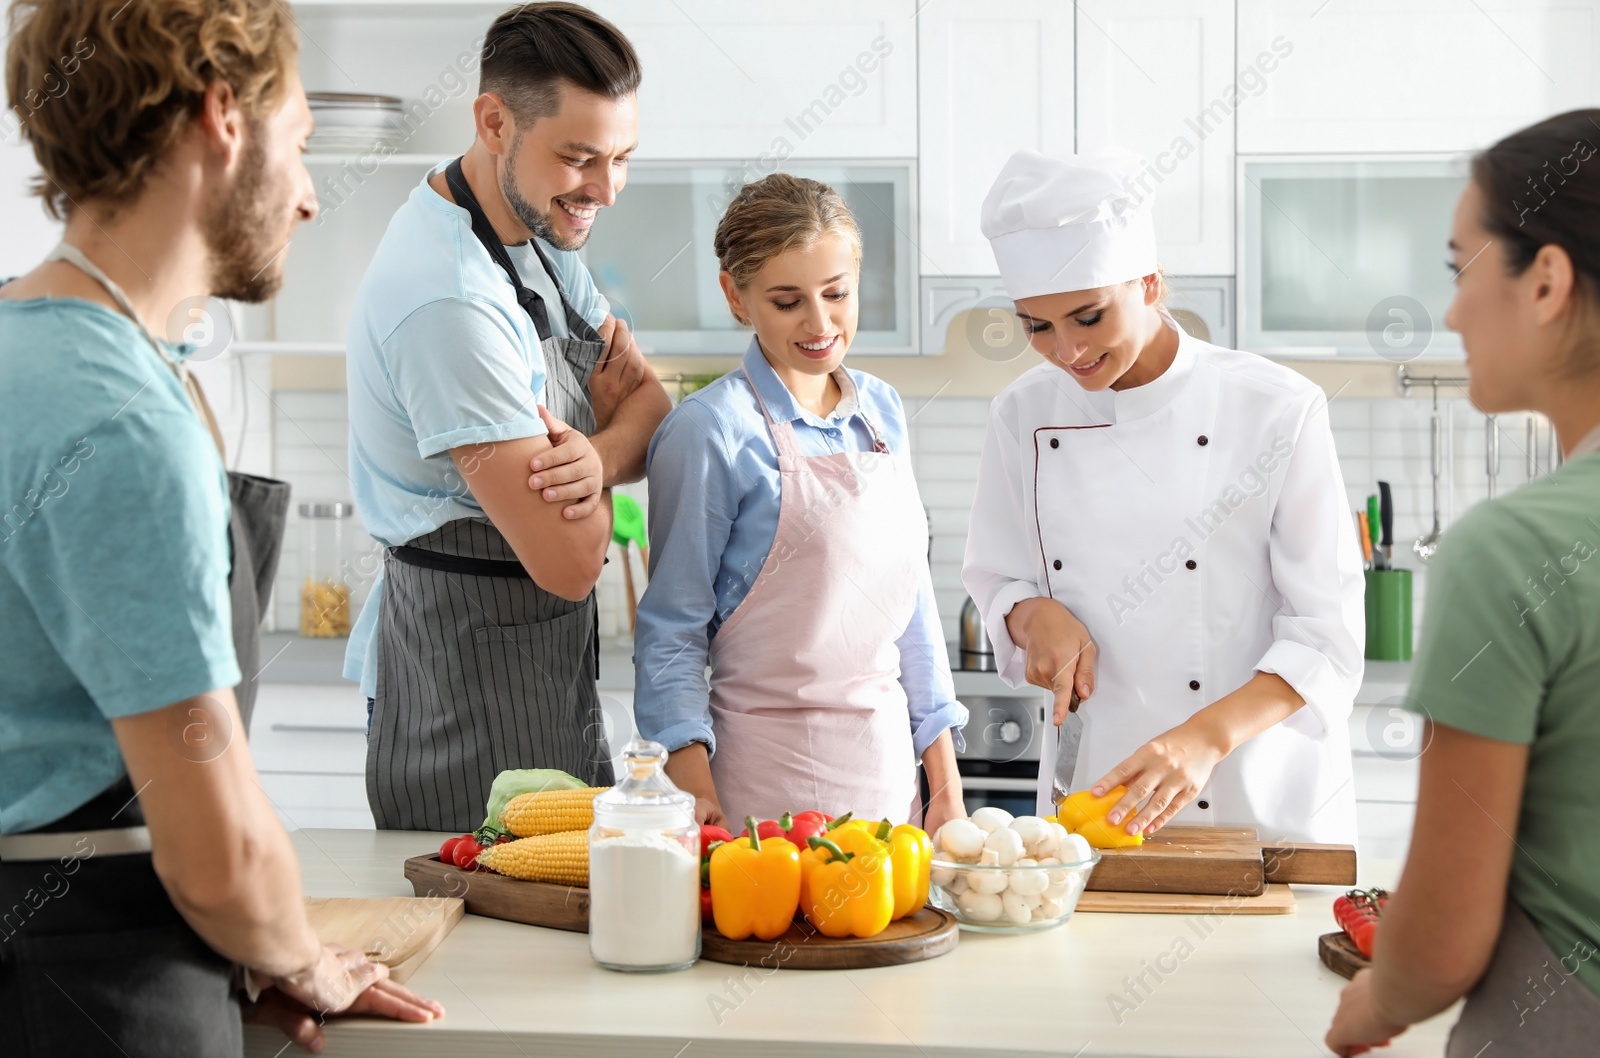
point(480, 669)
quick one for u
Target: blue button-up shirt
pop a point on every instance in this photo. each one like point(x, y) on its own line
point(714, 497)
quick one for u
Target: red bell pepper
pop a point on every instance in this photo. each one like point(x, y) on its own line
point(709, 836)
point(807, 825)
point(770, 828)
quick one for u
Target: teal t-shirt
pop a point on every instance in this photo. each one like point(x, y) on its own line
point(113, 551)
point(1511, 651)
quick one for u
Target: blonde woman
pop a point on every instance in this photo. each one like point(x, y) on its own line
point(789, 552)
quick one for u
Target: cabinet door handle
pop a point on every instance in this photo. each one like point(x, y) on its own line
point(321, 728)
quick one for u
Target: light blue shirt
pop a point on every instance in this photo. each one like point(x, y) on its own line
point(113, 551)
point(440, 355)
point(714, 498)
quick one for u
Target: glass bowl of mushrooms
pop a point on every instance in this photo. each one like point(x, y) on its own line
point(998, 873)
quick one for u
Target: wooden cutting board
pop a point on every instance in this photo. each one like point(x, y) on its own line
point(399, 931)
point(1219, 861)
point(1276, 900)
point(1340, 954)
point(927, 934)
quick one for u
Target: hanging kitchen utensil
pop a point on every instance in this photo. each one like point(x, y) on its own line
point(1428, 543)
point(977, 652)
point(1491, 452)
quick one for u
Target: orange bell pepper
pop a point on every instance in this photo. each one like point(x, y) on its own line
point(755, 886)
point(847, 892)
point(1085, 814)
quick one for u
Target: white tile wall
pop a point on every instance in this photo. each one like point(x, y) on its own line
point(1376, 438)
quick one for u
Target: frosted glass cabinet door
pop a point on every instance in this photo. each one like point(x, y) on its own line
point(1158, 78)
point(993, 79)
point(763, 82)
point(1422, 75)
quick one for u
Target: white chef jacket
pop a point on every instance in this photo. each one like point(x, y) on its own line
point(1198, 527)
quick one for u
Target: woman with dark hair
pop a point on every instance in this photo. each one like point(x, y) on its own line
point(1500, 897)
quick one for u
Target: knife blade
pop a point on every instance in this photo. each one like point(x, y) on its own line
point(1068, 736)
point(1386, 518)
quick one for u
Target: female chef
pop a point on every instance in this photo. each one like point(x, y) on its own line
point(789, 551)
point(1161, 530)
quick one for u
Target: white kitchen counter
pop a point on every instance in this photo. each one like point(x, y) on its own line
point(1252, 986)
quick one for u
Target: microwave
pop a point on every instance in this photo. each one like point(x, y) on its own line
point(1345, 255)
point(653, 256)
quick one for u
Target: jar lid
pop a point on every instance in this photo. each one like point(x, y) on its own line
point(643, 796)
point(327, 509)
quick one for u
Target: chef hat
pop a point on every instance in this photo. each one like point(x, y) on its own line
point(1073, 223)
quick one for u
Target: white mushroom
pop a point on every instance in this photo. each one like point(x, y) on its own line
point(1016, 909)
point(987, 881)
point(980, 907)
point(988, 858)
point(959, 886)
point(1047, 910)
point(942, 876)
point(1075, 849)
point(1029, 883)
point(1049, 843)
point(991, 818)
point(960, 839)
point(1007, 844)
point(1054, 891)
point(1032, 829)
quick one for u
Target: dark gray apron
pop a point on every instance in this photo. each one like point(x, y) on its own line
point(115, 968)
point(1527, 1003)
point(480, 669)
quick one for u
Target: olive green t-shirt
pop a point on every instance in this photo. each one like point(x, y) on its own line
point(1511, 651)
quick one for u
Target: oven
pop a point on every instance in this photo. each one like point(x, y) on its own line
point(1004, 735)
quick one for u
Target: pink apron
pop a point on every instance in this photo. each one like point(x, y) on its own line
point(806, 699)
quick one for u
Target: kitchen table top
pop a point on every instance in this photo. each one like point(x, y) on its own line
point(1236, 986)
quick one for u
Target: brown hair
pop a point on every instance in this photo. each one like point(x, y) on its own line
point(533, 49)
point(1541, 187)
point(776, 214)
point(103, 89)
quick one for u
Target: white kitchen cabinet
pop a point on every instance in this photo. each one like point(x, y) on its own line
point(1158, 78)
point(1426, 75)
point(759, 83)
point(993, 79)
point(309, 744)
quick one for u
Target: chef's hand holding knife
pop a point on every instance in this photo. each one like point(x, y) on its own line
point(1058, 651)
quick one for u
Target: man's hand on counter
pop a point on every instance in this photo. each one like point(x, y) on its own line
point(571, 472)
point(343, 981)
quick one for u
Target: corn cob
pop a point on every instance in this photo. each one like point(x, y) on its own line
point(550, 811)
point(562, 858)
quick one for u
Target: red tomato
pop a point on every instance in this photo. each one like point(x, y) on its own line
point(705, 905)
point(466, 853)
point(447, 850)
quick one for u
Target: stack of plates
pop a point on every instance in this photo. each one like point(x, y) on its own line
point(350, 121)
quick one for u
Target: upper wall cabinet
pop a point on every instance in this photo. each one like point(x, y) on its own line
point(994, 78)
point(1425, 75)
point(762, 83)
point(1158, 78)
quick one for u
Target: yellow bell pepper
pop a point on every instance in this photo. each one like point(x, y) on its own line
point(755, 886)
point(910, 854)
point(847, 892)
point(1085, 815)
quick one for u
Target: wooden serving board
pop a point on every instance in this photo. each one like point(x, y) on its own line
point(1340, 954)
point(927, 934)
point(1276, 900)
point(398, 931)
point(1219, 861)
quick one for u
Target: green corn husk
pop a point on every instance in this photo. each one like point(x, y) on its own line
point(509, 784)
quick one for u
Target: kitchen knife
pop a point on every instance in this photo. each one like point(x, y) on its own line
point(1372, 529)
point(1364, 536)
point(1386, 519)
point(1068, 735)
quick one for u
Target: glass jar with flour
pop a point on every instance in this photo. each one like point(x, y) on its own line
point(644, 869)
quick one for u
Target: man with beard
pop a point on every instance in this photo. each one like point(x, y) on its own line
point(479, 349)
point(143, 874)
